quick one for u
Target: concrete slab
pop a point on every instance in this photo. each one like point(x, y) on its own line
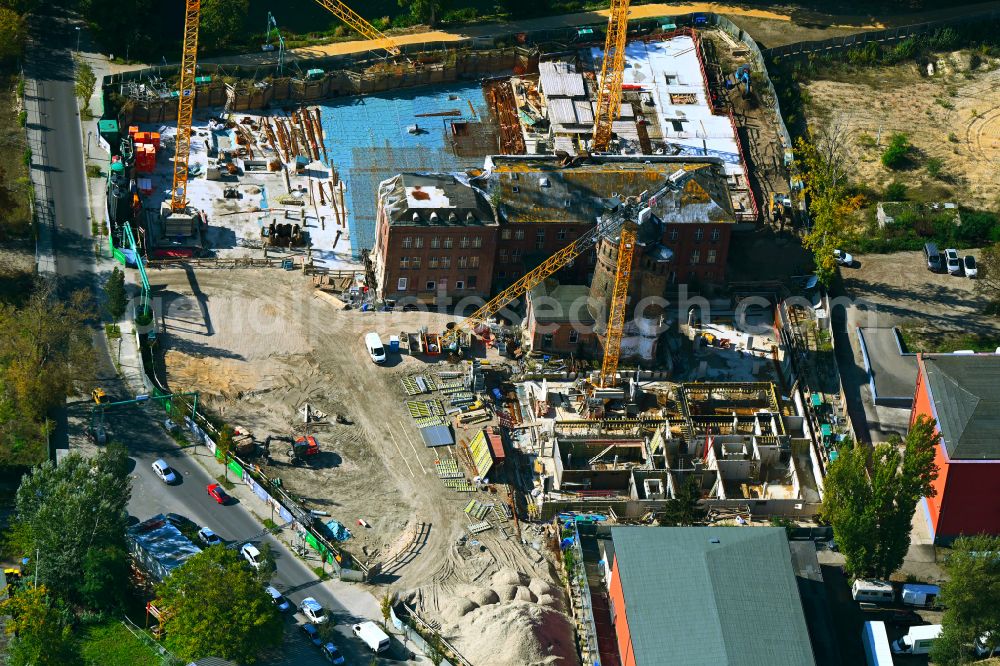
point(892, 373)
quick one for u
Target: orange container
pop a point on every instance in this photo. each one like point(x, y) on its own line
point(132, 129)
point(154, 137)
point(141, 137)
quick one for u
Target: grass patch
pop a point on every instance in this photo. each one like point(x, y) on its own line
point(94, 171)
point(111, 644)
point(322, 575)
point(112, 331)
point(270, 524)
point(15, 185)
point(916, 339)
point(226, 483)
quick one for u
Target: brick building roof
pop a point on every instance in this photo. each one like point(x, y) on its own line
point(433, 200)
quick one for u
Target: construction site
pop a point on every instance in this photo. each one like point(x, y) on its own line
point(441, 466)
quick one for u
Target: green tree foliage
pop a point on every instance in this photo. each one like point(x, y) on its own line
point(222, 22)
point(45, 349)
point(988, 278)
point(73, 515)
point(267, 564)
point(684, 508)
point(832, 206)
point(424, 11)
point(116, 23)
point(86, 80)
point(117, 296)
point(896, 191)
point(897, 152)
point(971, 598)
point(13, 31)
point(216, 606)
point(871, 516)
point(40, 635)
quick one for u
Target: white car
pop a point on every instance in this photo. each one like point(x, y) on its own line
point(252, 555)
point(952, 261)
point(314, 611)
point(971, 270)
point(208, 537)
point(843, 258)
point(162, 470)
point(278, 599)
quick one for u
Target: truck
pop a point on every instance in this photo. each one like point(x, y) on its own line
point(876, 591)
point(374, 638)
point(922, 596)
point(918, 640)
point(876, 643)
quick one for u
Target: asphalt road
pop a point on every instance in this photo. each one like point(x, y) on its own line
point(58, 170)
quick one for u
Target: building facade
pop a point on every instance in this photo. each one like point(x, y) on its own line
point(435, 240)
point(959, 392)
point(559, 320)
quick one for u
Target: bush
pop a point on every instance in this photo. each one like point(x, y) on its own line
point(934, 166)
point(463, 15)
point(22, 118)
point(27, 157)
point(896, 191)
point(977, 227)
point(952, 137)
point(895, 156)
point(94, 171)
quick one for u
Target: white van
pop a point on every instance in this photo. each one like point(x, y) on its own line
point(375, 349)
point(876, 591)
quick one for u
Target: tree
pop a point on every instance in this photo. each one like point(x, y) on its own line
point(41, 634)
point(216, 606)
point(385, 605)
point(988, 278)
point(971, 598)
point(117, 295)
point(832, 207)
point(13, 30)
point(267, 564)
point(222, 21)
point(870, 503)
point(73, 516)
point(424, 11)
point(46, 348)
point(684, 508)
point(896, 152)
point(85, 82)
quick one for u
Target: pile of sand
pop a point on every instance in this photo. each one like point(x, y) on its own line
point(516, 620)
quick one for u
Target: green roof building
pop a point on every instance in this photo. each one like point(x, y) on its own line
point(706, 596)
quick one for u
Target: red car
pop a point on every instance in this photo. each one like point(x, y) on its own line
point(218, 493)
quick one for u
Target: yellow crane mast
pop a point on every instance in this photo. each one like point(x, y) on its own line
point(609, 91)
point(616, 313)
point(185, 106)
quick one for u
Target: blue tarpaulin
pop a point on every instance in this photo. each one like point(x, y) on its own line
point(338, 531)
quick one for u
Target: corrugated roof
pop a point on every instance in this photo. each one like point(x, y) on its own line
point(965, 392)
point(433, 199)
point(711, 596)
point(439, 435)
point(560, 79)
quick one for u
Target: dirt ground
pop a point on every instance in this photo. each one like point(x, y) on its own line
point(953, 116)
point(935, 307)
point(259, 345)
point(769, 33)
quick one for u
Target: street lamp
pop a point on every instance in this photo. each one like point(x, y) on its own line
point(77, 39)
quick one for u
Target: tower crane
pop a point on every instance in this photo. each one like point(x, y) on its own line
point(619, 222)
point(189, 62)
point(609, 91)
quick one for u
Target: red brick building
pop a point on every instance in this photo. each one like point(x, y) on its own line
point(559, 319)
point(435, 240)
point(960, 392)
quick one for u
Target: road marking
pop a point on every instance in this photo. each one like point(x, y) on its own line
point(401, 453)
point(415, 454)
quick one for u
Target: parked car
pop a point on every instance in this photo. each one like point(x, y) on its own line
point(314, 611)
point(332, 653)
point(179, 521)
point(372, 636)
point(952, 261)
point(971, 269)
point(933, 257)
point(208, 537)
point(278, 599)
point(843, 258)
point(252, 555)
point(218, 493)
point(312, 633)
point(162, 470)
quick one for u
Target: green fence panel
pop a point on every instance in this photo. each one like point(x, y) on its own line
point(235, 468)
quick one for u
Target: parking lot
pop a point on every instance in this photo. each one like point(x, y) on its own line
point(934, 308)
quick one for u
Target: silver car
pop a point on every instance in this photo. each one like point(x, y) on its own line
point(162, 470)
